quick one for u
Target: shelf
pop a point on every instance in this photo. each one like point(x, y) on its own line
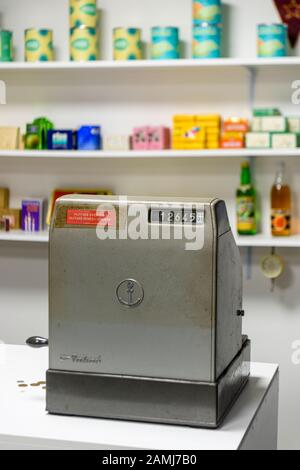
point(57, 154)
point(264, 241)
point(150, 64)
point(257, 241)
point(19, 236)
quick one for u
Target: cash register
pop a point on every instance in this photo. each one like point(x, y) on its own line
point(145, 311)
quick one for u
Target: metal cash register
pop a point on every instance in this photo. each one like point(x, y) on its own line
point(142, 327)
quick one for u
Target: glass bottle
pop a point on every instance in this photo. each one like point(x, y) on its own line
point(281, 205)
point(246, 203)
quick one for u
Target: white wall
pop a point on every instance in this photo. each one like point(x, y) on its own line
point(119, 102)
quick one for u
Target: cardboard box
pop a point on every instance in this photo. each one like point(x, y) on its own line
point(9, 138)
point(4, 198)
point(14, 216)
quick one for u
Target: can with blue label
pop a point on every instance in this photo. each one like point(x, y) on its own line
point(207, 41)
point(208, 11)
point(272, 40)
point(165, 43)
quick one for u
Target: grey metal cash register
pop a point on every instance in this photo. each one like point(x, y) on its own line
point(145, 311)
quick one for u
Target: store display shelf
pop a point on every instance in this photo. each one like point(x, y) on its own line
point(151, 64)
point(265, 241)
point(20, 236)
point(256, 241)
point(220, 153)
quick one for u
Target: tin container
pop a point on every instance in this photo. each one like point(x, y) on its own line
point(272, 40)
point(6, 46)
point(39, 45)
point(84, 44)
point(207, 41)
point(127, 44)
point(83, 13)
point(165, 43)
point(208, 11)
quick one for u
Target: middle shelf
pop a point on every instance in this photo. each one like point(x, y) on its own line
point(256, 241)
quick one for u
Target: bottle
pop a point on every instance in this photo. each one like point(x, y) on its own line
point(281, 205)
point(246, 204)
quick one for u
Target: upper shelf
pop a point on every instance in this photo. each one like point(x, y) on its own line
point(155, 154)
point(151, 64)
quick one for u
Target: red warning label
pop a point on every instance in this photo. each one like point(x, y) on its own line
point(91, 217)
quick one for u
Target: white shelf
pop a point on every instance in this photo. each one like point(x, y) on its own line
point(256, 241)
point(150, 64)
point(20, 236)
point(244, 153)
point(264, 241)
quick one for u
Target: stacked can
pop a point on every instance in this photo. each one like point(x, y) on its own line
point(39, 45)
point(165, 43)
point(6, 46)
point(207, 30)
point(84, 35)
point(272, 40)
point(127, 44)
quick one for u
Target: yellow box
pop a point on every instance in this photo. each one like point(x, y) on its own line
point(4, 198)
point(14, 216)
point(9, 138)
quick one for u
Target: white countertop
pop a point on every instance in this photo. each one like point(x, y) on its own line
point(24, 421)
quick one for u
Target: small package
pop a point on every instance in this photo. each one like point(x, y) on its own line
point(32, 215)
point(159, 138)
point(89, 138)
point(256, 124)
point(4, 198)
point(36, 134)
point(294, 124)
point(264, 112)
point(14, 217)
point(258, 140)
point(9, 138)
point(4, 224)
point(273, 124)
point(61, 139)
point(235, 124)
point(117, 143)
point(140, 138)
point(285, 141)
point(233, 140)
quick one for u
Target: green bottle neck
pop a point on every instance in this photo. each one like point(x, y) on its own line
point(246, 177)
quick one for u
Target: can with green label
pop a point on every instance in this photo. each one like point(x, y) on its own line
point(272, 40)
point(6, 46)
point(84, 44)
point(209, 11)
point(127, 44)
point(165, 43)
point(39, 45)
point(83, 13)
point(207, 41)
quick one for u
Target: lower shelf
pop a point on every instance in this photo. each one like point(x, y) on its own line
point(259, 241)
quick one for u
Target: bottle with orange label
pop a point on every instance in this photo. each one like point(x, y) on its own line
point(281, 205)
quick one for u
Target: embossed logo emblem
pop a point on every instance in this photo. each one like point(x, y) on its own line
point(130, 293)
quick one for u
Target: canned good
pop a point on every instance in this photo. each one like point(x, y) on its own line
point(39, 45)
point(127, 44)
point(272, 40)
point(84, 44)
point(6, 46)
point(207, 41)
point(165, 43)
point(83, 13)
point(208, 11)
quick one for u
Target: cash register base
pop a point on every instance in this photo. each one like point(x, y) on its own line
point(187, 403)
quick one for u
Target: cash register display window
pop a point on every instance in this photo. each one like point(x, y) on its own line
point(176, 216)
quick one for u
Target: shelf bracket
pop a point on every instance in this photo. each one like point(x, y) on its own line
point(252, 75)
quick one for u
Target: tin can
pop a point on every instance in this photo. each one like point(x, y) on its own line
point(272, 40)
point(208, 11)
point(84, 44)
point(127, 44)
point(83, 13)
point(207, 41)
point(6, 46)
point(39, 45)
point(165, 43)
